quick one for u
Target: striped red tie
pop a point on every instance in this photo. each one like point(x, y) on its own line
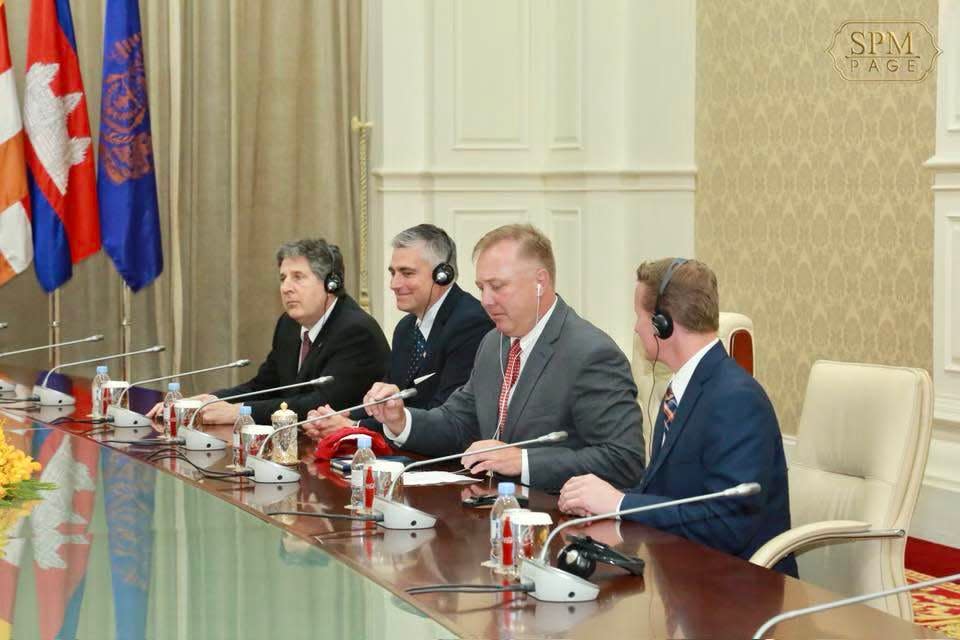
point(509, 379)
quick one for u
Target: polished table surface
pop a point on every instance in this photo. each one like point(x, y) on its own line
point(225, 568)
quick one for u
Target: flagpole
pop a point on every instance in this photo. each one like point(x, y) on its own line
point(126, 330)
point(53, 308)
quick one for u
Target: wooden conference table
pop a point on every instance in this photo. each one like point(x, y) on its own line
point(129, 548)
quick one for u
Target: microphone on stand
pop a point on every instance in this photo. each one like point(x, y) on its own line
point(198, 440)
point(267, 473)
point(52, 397)
point(550, 584)
point(125, 418)
point(796, 613)
point(400, 516)
point(6, 385)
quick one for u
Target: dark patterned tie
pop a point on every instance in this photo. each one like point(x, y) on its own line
point(669, 410)
point(417, 354)
point(304, 349)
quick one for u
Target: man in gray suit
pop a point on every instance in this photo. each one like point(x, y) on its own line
point(543, 369)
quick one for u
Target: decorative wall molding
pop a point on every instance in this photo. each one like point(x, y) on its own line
point(667, 179)
point(946, 409)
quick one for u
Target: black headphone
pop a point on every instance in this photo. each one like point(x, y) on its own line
point(581, 555)
point(661, 321)
point(444, 273)
point(334, 280)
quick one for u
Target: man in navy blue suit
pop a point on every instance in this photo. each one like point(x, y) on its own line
point(440, 333)
point(715, 429)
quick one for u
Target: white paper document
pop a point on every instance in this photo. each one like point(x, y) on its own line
point(427, 478)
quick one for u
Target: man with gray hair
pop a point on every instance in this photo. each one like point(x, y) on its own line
point(324, 332)
point(437, 340)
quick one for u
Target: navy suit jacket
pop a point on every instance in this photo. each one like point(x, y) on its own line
point(458, 328)
point(724, 432)
point(350, 347)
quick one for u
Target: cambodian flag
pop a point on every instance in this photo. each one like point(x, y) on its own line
point(66, 226)
point(126, 182)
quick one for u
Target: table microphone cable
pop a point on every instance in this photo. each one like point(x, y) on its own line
point(472, 588)
point(206, 473)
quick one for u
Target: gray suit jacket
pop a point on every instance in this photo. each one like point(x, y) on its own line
point(576, 379)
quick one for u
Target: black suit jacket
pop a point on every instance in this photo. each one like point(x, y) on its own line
point(457, 330)
point(350, 347)
point(724, 432)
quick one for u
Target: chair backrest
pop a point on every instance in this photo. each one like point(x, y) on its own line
point(861, 452)
point(736, 334)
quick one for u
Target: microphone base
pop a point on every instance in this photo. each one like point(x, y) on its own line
point(199, 441)
point(555, 585)
point(125, 418)
point(401, 516)
point(267, 472)
point(206, 458)
point(53, 398)
point(6, 387)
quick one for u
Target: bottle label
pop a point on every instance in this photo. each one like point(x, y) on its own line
point(356, 477)
point(236, 439)
point(494, 529)
point(369, 487)
point(506, 555)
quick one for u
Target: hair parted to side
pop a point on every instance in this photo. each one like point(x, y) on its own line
point(439, 246)
point(324, 258)
point(691, 298)
point(533, 244)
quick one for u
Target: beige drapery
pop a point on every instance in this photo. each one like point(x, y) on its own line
point(250, 105)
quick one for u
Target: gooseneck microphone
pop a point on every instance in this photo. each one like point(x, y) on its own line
point(199, 441)
point(94, 338)
point(555, 436)
point(121, 417)
point(52, 397)
point(401, 516)
point(796, 613)
point(551, 584)
point(399, 395)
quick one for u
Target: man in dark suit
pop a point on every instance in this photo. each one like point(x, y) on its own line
point(323, 333)
point(437, 340)
point(545, 369)
point(715, 429)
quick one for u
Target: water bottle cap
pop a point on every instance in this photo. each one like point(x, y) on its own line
point(364, 442)
point(506, 489)
point(101, 368)
point(173, 386)
point(245, 410)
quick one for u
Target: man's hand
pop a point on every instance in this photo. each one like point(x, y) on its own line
point(506, 462)
point(322, 428)
point(157, 410)
point(588, 495)
point(220, 413)
point(389, 413)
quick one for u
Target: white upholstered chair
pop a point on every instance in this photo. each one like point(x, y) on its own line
point(736, 334)
point(855, 475)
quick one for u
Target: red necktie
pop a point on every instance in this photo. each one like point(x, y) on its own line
point(304, 349)
point(509, 379)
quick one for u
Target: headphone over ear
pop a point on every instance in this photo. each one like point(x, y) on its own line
point(581, 555)
point(661, 321)
point(334, 280)
point(444, 273)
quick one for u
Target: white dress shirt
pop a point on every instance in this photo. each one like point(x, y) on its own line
point(314, 331)
point(527, 343)
point(426, 322)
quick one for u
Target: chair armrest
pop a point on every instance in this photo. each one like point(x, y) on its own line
point(799, 537)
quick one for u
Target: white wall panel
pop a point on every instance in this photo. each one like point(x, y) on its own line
point(565, 74)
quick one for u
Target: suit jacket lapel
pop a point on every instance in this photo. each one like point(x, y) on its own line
point(686, 407)
point(317, 345)
point(534, 366)
point(443, 314)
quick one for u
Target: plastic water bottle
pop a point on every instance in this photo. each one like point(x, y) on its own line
point(361, 459)
point(97, 410)
point(507, 500)
point(169, 412)
point(239, 453)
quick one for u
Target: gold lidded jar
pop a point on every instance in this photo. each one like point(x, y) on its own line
point(285, 443)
